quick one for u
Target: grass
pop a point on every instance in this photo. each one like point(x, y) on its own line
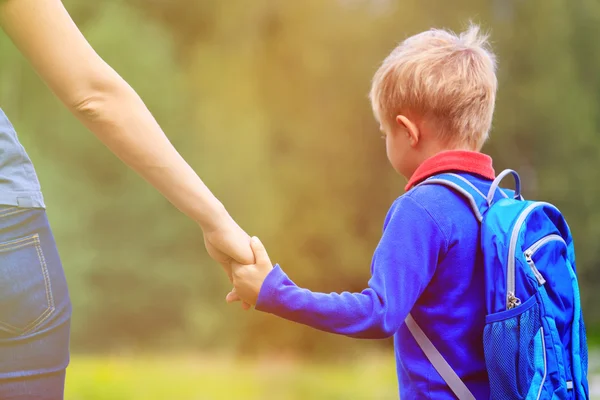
point(186, 378)
point(193, 378)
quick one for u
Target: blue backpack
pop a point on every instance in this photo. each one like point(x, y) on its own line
point(534, 338)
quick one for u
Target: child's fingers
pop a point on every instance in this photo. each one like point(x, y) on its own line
point(232, 297)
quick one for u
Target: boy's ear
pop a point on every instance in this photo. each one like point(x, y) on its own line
point(409, 128)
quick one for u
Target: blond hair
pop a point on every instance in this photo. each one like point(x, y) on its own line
point(444, 77)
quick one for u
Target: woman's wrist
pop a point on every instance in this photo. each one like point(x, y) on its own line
point(214, 217)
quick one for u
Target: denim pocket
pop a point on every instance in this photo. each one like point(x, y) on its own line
point(514, 350)
point(25, 290)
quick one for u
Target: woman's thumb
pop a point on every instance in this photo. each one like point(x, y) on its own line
point(259, 251)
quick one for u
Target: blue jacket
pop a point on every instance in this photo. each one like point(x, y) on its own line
point(427, 263)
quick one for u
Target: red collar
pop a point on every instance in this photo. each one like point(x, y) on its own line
point(453, 160)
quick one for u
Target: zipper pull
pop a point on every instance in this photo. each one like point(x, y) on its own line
point(513, 301)
point(536, 273)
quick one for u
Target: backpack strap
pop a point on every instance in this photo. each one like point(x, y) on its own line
point(477, 200)
point(457, 386)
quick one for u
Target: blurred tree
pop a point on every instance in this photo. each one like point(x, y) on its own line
point(269, 103)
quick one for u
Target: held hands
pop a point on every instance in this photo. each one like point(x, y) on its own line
point(231, 247)
point(248, 279)
point(227, 245)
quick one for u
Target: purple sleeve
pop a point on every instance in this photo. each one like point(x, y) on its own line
point(402, 266)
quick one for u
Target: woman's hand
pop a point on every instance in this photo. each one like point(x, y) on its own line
point(228, 244)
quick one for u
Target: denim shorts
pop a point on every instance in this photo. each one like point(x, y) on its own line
point(35, 308)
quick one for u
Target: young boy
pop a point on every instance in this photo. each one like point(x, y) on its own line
point(434, 99)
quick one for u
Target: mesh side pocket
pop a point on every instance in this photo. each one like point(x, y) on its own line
point(509, 354)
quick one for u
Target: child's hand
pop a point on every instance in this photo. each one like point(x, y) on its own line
point(248, 279)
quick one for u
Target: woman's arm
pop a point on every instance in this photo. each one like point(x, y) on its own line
point(47, 36)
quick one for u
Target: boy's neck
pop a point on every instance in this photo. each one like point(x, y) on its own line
point(453, 160)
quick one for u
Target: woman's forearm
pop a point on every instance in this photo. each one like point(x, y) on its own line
point(119, 118)
point(47, 36)
point(105, 103)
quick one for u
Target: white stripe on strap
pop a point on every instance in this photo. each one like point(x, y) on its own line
point(456, 186)
point(437, 360)
point(465, 180)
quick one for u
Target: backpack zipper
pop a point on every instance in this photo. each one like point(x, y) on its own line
point(535, 247)
point(512, 300)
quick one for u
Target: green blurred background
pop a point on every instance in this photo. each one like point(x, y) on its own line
point(267, 100)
